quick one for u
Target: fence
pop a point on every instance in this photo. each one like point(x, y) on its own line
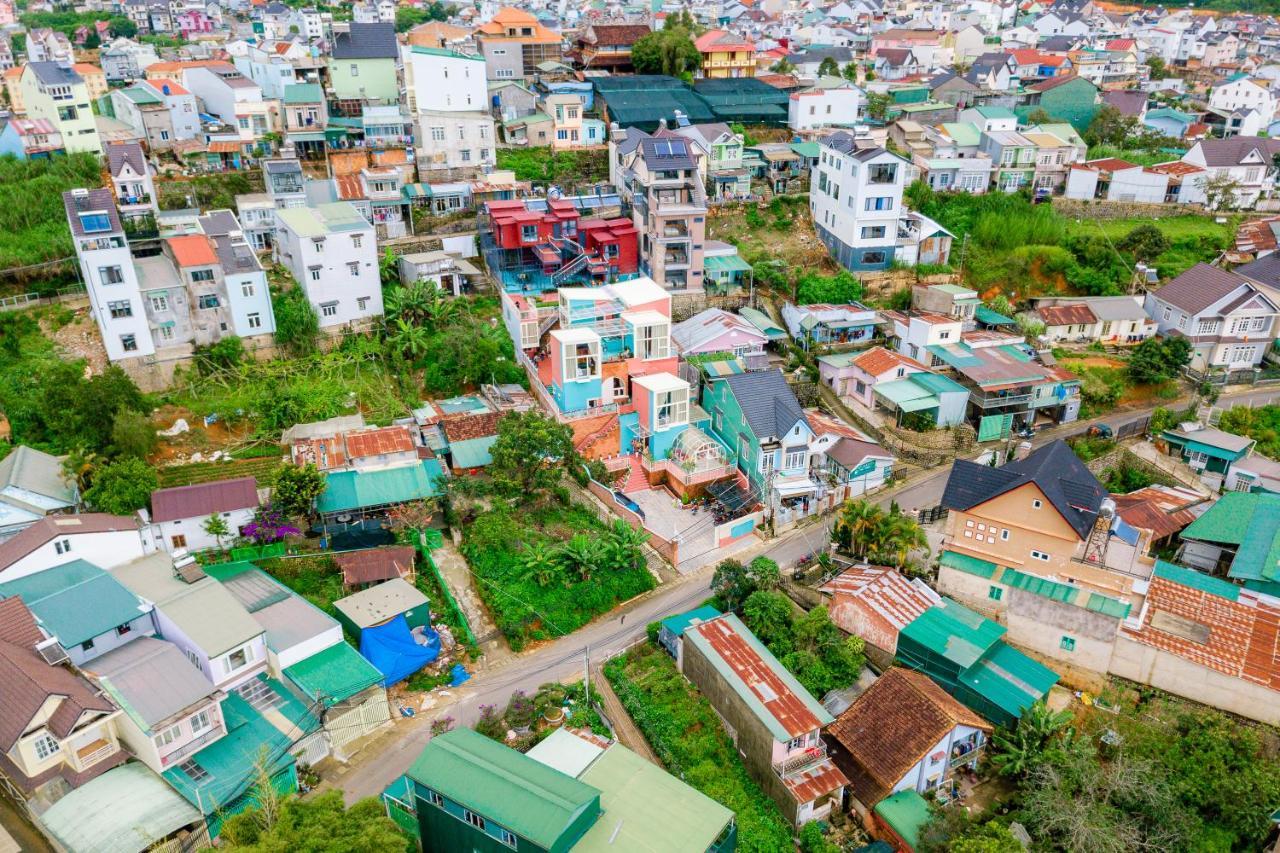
point(32, 300)
point(425, 553)
point(241, 554)
point(402, 814)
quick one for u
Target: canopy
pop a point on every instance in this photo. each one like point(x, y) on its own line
point(395, 650)
point(905, 395)
point(124, 810)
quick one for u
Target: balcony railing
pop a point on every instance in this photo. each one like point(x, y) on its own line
point(93, 752)
point(675, 230)
point(802, 761)
point(193, 747)
point(965, 758)
point(688, 476)
point(994, 402)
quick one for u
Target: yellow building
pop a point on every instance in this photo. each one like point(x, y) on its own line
point(726, 55)
point(95, 79)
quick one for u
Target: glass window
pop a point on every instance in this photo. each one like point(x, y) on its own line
point(255, 321)
point(246, 290)
point(120, 309)
point(1067, 644)
point(200, 722)
point(129, 343)
point(202, 275)
point(995, 593)
point(111, 275)
point(168, 736)
point(473, 819)
point(45, 746)
point(329, 309)
point(208, 300)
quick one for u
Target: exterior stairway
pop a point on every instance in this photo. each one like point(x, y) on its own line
point(637, 480)
point(606, 429)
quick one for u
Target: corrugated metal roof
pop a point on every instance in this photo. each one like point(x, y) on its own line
point(1008, 679)
point(151, 680)
point(681, 622)
point(905, 813)
point(968, 564)
point(349, 490)
point(530, 799)
point(34, 479)
point(75, 602)
point(204, 499)
point(955, 632)
point(124, 810)
point(379, 603)
point(334, 675)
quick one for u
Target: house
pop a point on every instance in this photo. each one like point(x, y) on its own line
point(513, 44)
point(904, 733)
point(1247, 160)
point(31, 139)
point(856, 202)
point(362, 569)
point(331, 251)
point(914, 332)
point(714, 330)
point(1229, 321)
point(440, 80)
point(538, 246)
point(32, 486)
point(362, 65)
point(305, 117)
point(608, 46)
point(1232, 538)
point(1068, 322)
point(248, 296)
point(875, 603)
point(82, 609)
point(1117, 320)
point(237, 101)
point(446, 271)
point(823, 324)
point(1240, 92)
point(131, 181)
point(111, 540)
point(381, 603)
point(141, 108)
point(671, 632)
point(200, 617)
point(125, 60)
point(1071, 98)
point(469, 439)
point(180, 513)
point(934, 401)
point(58, 731)
point(1113, 179)
point(952, 300)
point(1211, 452)
point(833, 102)
point(58, 94)
point(855, 374)
point(773, 721)
point(725, 54)
point(965, 655)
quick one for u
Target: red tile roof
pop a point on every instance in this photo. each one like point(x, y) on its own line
point(722, 40)
point(876, 602)
point(204, 499)
point(879, 360)
point(376, 442)
point(790, 711)
point(17, 625)
point(466, 427)
point(375, 565)
point(1111, 164)
point(192, 250)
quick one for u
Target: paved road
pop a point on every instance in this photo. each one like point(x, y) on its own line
point(566, 657)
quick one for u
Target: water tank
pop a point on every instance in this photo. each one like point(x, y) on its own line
point(1107, 509)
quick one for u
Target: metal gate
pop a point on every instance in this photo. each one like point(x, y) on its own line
point(347, 726)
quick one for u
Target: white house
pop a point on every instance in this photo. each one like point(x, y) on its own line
point(914, 332)
point(1247, 160)
point(248, 296)
point(179, 514)
point(441, 80)
point(1230, 322)
point(449, 139)
point(105, 540)
point(1116, 180)
point(825, 106)
point(1242, 92)
point(856, 201)
point(233, 98)
point(330, 250)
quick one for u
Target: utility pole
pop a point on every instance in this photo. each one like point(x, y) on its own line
point(586, 670)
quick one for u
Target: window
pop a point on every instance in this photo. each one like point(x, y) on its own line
point(995, 593)
point(315, 273)
point(111, 275)
point(873, 257)
point(1067, 644)
point(507, 837)
point(355, 70)
point(62, 546)
point(354, 268)
point(873, 232)
point(1040, 555)
point(207, 301)
point(46, 746)
point(528, 233)
point(878, 203)
point(123, 630)
point(362, 303)
point(66, 113)
point(1004, 535)
point(796, 458)
point(1036, 504)
point(882, 173)
point(129, 343)
point(120, 309)
point(465, 154)
point(179, 541)
point(356, 240)
point(473, 819)
point(86, 646)
point(202, 275)
point(168, 736)
point(329, 309)
point(484, 153)
point(255, 321)
point(435, 799)
point(241, 657)
point(796, 743)
point(200, 722)
point(193, 770)
point(246, 290)
point(437, 133)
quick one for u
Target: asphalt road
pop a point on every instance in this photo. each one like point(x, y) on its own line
point(566, 657)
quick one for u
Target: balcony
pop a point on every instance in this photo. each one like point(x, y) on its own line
point(965, 757)
point(998, 401)
point(192, 747)
point(801, 761)
point(688, 475)
point(675, 229)
point(94, 752)
point(675, 259)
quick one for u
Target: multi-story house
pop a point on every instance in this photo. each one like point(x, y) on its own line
point(660, 177)
point(442, 80)
point(179, 513)
point(455, 142)
point(59, 730)
point(236, 100)
point(1245, 160)
point(514, 44)
point(53, 91)
point(532, 250)
point(772, 720)
point(30, 139)
point(608, 46)
point(363, 65)
point(248, 297)
point(124, 60)
point(726, 175)
point(145, 112)
point(1242, 92)
point(134, 189)
point(268, 69)
point(49, 45)
point(107, 269)
point(332, 253)
point(725, 54)
point(1114, 179)
point(1013, 159)
point(822, 324)
point(306, 117)
point(856, 202)
point(112, 540)
point(184, 112)
point(1230, 322)
point(833, 102)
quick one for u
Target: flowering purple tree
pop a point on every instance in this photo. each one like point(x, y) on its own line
point(268, 526)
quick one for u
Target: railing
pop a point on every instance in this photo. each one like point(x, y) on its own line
point(811, 757)
point(996, 402)
point(964, 758)
point(685, 475)
point(193, 747)
point(87, 760)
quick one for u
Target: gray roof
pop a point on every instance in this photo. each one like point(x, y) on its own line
point(98, 200)
point(1233, 150)
point(666, 152)
point(366, 41)
point(55, 74)
point(1115, 308)
point(32, 479)
point(767, 402)
point(205, 611)
point(631, 140)
point(288, 619)
point(1215, 438)
point(151, 679)
point(1199, 287)
point(119, 153)
point(1265, 270)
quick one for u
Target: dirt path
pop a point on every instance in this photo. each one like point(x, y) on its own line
point(457, 574)
point(624, 728)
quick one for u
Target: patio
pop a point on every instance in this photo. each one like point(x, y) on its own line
point(692, 528)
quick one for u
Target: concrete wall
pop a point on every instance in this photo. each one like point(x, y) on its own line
point(1039, 624)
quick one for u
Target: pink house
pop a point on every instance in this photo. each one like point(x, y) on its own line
point(904, 39)
point(193, 23)
point(854, 375)
point(716, 330)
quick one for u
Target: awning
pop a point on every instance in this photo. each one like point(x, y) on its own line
point(305, 136)
point(416, 191)
point(905, 395)
point(789, 487)
point(124, 810)
point(335, 134)
point(985, 315)
point(727, 263)
point(223, 147)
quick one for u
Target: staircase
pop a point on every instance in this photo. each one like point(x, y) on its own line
point(637, 480)
point(547, 322)
point(609, 426)
point(569, 269)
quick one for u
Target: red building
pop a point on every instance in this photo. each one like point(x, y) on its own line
point(538, 250)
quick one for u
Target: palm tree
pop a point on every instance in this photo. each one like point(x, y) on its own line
point(901, 535)
point(624, 546)
point(408, 303)
point(1017, 751)
point(539, 562)
point(409, 339)
point(857, 520)
point(438, 309)
point(580, 555)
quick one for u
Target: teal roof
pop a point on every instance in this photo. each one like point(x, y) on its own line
point(1043, 587)
point(334, 675)
point(473, 452)
point(1169, 113)
point(303, 93)
point(75, 602)
point(727, 263)
point(953, 356)
point(983, 314)
point(906, 395)
point(350, 490)
point(532, 800)
point(141, 95)
point(126, 809)
point(230, 762)
point(995, 112)
point(441, 51)
point(1183, 576)
point(1008, 679)
point(955, 632)
point(679, 623)
point(906, 813)
point(808, 150)
point(968, 564)
point(1229, 519)
point(938, 384)
point(762, 321)
point(963, 133)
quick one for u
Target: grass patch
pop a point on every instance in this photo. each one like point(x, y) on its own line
point(33, 223)
point(687, 736)
point(523, 610)
point(263, 468)
point(543, 165)
point(315, 577)
point(208, 192)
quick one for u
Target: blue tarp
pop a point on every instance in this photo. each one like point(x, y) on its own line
point(392, 648)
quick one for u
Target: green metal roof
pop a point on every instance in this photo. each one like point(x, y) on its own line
point(303, 93)
point(839, 359)
point(350, 490)
point(906, 813)
point(1183, 576)
point(75, 602)
point(337, 673)
point(983, 314)
point(968, 564)
point(963, 133)
point(1066, 593)
point(994, 112)
point(1258, 557)
point(681, 622)
point(473, 452)
point(441, 51)
point(1228, 520)
point(938, 384)
point(727, 263)
point(141, 95)
point(906, 395)
point(953, 289)
point(762, 321)
point(126, 809)
point(1008, 679)
point(525, 796)
point(808, 150)
point(955, 632)
point(646, 808)
point(953, 356)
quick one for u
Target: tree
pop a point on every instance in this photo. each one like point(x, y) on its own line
point(828, 67)
point(1221, 192)
point(1158, 359)
point(1001, 305)
point(824, 659)
point(624, 546)
point(296, 489)
point(409, 339)
point(1110, 127)
point(121, 27)
point(955, 830)
point(466, 354)
point(541, 563)
point(216, 526)
point(1146, 243)
point(1157, 66)
point(388, 268)
point(1018, 751)
point(297, 325)
point(132, 434)
point(877, 103)
point(852, 529)
point(122, 487)
point(321, 824)
point(1039, 116)
point(768, 615)
point(812, 839)
point(669, 50)
point(764, 574)
point(225, 354)
point(731, 584)
point(896, 537)
point(530, 454)
point(580, 556)
point(850, 72)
